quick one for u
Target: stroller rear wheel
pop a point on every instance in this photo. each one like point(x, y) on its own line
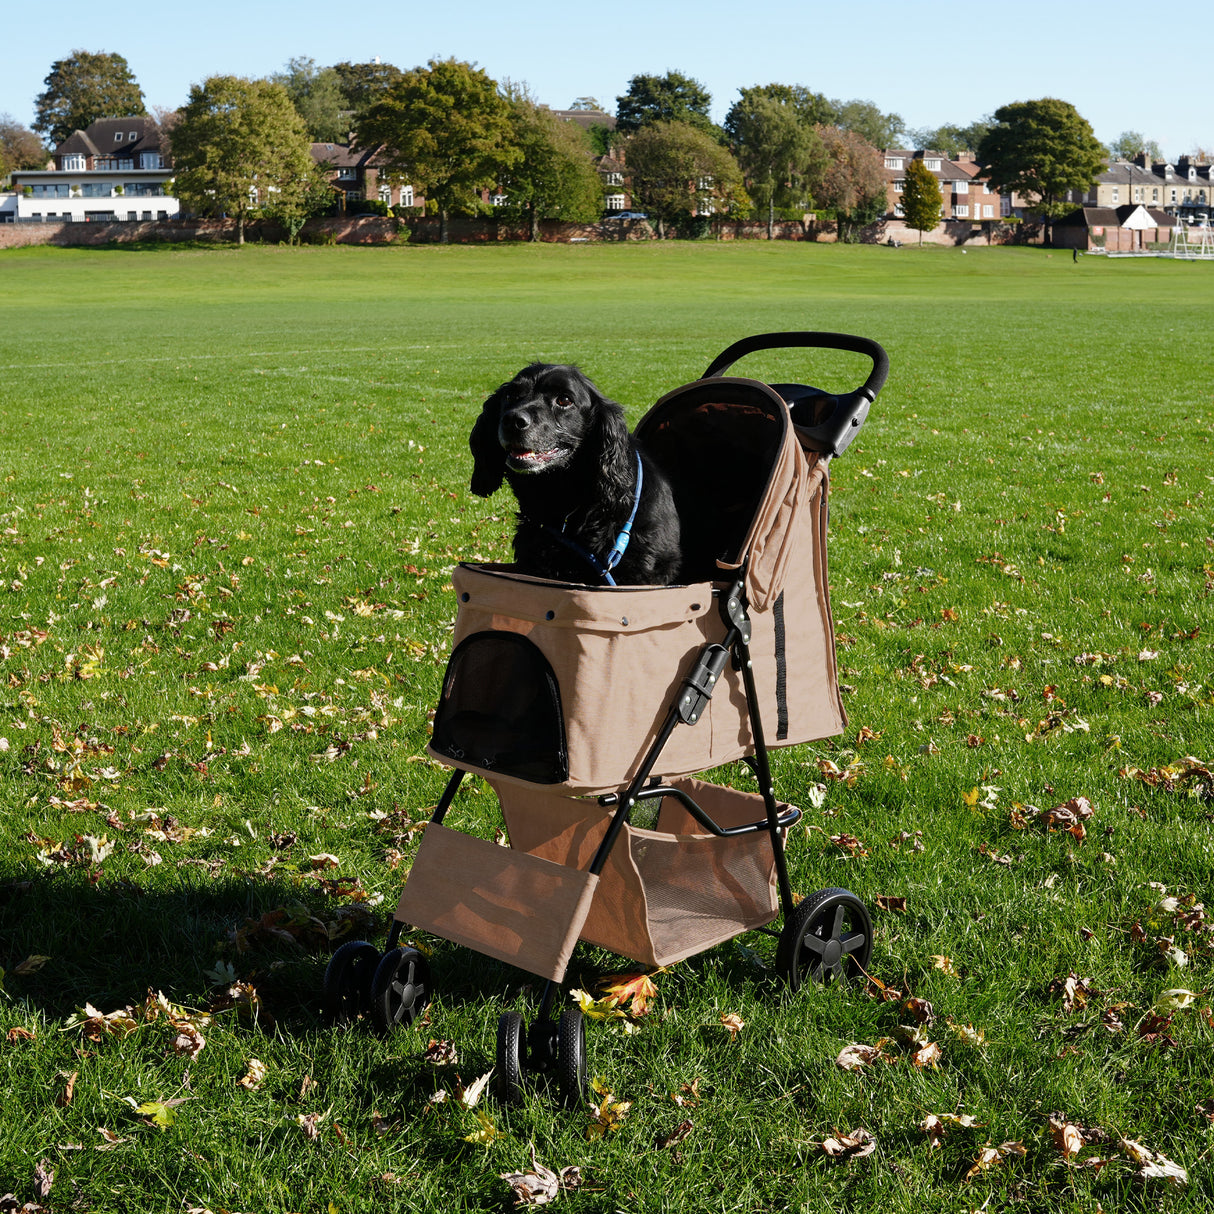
point(828, 936)
point(571, 1057)
point(347, 986)
point(511, 1051)
point(400, 988)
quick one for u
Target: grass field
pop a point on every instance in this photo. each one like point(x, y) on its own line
point(234, 483)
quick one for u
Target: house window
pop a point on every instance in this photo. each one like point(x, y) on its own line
point(894, 162)
point(961, 187)
point(1116, 194)
point(1154, 195)
point(900, 185)
point(151, 160)
point(933, 164)
point(74, 164)
point(385, 194)
point(117, 136)
point(615, 178)
point(406, 196)
point(1173, 196)
point(961, 211)
point(614, 202)
point(899, 213)
point(988, 211)
point(134, 135)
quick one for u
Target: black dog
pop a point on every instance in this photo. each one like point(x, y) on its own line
point(575, 472)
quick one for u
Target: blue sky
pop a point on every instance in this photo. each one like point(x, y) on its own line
point(930, 63)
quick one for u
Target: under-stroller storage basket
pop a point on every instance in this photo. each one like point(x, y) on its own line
point(663, 894)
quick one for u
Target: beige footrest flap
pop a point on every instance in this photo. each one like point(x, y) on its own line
point(506, 904)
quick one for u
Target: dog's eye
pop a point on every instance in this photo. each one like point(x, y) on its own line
point(564, 401)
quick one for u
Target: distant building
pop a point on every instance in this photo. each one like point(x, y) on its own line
point(357, 175)
point(116, 170)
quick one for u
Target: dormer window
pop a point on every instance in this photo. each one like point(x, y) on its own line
point(933, 165)
point(132, 136)
point(117, 136)
point(893, 162)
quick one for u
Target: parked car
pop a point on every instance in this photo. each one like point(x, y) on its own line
point(625, 215)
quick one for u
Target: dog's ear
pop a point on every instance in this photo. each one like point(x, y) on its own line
point(488, 458)
point(617, 474)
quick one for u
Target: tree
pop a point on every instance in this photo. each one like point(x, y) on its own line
point(1129, 144)
point(1042, 149)
point(776, 149)
point(951, 140)
point(680, 172)
point(553, 177)
point(82, 88)
point(446, 128)
point(853, 185)
point(863, 118)
point(20, 148)
point(237, 144)
point(364, 83)
point(921, 198)
point(670, 98)
point(318, 98)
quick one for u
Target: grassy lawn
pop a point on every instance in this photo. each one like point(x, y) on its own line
point(234, 484)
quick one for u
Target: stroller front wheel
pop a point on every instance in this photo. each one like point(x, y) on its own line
point(829, 936)
point(400, 988)
point(511, 1034)
point(571, 1057)
point(347, 983)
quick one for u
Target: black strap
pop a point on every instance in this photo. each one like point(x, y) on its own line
point(777, 613)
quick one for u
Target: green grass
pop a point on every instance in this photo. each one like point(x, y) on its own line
point(232, 488)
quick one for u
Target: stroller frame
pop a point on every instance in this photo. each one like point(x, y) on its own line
point(825, 936)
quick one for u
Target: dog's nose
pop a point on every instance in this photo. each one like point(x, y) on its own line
point(514, 423)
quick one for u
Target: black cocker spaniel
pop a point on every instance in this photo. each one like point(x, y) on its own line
point(585, 490)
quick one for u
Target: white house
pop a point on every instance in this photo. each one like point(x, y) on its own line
point(116, 170)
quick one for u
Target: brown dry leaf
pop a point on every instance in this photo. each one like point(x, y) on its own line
point(255, 1076)
point(968, 1034)
point(890, 902)
point(17, 1033)
point(31, 965)
point(989, 1156)
point(310, 1124)
point(69, 1089)
point(470, 1095)
point(733, 1023)
point(1067, 1137)
point(441, 1053)
point(921, 1010)
point(608, 1112)
point(688, 1095)
point(945, 965)
point(536, 1187)
point(857, 1057)
point(189, 1041)
point(855, 1145)
point(927, 1055)
point(43, 1179)
point(936, 1125)
point(665, 1141)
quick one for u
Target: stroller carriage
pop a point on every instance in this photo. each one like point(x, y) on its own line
point(590, 709)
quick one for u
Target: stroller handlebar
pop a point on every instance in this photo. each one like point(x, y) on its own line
point(825, 422)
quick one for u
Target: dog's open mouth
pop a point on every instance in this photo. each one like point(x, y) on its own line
point(523, 459)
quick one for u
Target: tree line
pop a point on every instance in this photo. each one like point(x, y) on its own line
point(452, 132)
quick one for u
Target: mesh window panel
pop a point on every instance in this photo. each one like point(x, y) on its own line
point(500, 710)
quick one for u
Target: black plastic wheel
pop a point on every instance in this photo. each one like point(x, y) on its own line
point(347, 988)
point(511, 1060)
point(828, 936)
point(400, 988)
point(571, 1057)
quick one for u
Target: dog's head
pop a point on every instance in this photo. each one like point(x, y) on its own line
point(546, 418)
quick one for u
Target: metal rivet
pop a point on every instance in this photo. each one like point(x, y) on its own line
point(550, 615)
point(624, 620)
point(465, 597)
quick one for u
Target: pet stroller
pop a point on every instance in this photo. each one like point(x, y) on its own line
point(589, 710)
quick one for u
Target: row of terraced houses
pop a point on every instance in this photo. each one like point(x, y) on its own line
point(118, 170)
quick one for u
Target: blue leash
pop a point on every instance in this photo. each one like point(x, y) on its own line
point(604, 568)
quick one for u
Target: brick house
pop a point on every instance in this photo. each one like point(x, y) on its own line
point(964, 195)
point(357, 175)
point(117, 169)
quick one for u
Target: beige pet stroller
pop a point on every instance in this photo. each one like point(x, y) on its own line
point(589, 709)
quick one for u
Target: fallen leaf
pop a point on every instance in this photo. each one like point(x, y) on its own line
point(857, 1057)
point(665, 1141)
point(608, 1112)
point(440, 1053)
point(43, 1179)
point(31, 965)
point(1173, 999)
point(855, 1145)
point(945, 965)
point(927, 1055)
point(889, 902)
point(733, 1023)
point(1067, 1137)
point(69, 1089)
point(536, 1187)
point(631, 992)
point(485, 1132)
point(255, 1076)
point(470, 1095)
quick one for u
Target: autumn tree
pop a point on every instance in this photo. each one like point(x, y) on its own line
point(853, 185)
point(679, 171)
point(82, 88)
point(1043, 150)
point(20, 148)
point(236, 145)
point(670, 98)
point(447, 129)
point(553, 177)
point(777, 150)
point(922, 201)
